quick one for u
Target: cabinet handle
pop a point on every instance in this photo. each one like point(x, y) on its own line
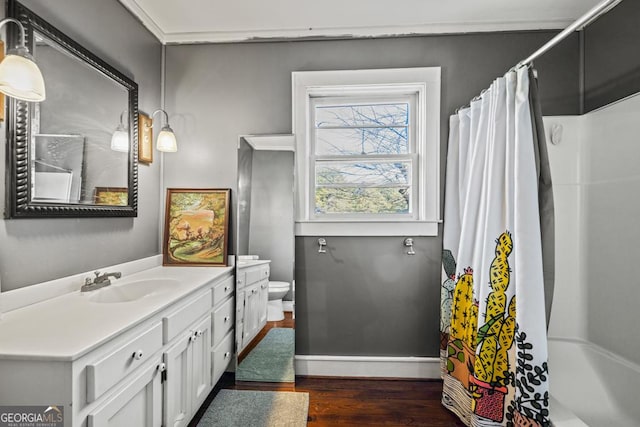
point(162, 367)
point(226, 319)
point(226, 288)
point(226, 355)
point(137, 355)
point(199, 333)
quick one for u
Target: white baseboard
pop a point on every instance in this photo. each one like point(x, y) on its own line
point(368, 366)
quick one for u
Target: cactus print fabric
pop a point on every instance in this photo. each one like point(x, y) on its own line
point(492, 325)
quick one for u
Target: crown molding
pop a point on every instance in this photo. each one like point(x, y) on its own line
point(195, 37)
point(145, 19)
point(361, 32)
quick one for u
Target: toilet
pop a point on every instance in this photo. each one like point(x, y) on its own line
point(277, 291)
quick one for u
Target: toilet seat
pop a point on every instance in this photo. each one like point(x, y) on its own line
point(278, 285)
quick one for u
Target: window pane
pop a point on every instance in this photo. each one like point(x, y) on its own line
point(365, 174)
point(356, 141)
point(340, 200)
point(362, 115)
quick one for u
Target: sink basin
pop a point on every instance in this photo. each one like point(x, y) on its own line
point(132, 291)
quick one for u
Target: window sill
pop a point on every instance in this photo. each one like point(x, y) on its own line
point(368, 228)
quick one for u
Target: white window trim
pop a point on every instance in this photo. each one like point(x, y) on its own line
point(424, 81)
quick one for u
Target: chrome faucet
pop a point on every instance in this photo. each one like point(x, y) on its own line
point(100, 281)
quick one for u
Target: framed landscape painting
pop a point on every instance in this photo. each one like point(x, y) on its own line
point(196, 227)
point(112, 196)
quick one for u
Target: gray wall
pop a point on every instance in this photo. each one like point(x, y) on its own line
point(345, 303)
point(271, 232)
point(611, 60)
point(366, 297)
point(36, 250)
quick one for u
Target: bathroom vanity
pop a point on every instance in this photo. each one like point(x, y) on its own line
point(252, 287)
point(144, 351)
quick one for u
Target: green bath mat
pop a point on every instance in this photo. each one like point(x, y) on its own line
point(244, 408)
point(271, 360)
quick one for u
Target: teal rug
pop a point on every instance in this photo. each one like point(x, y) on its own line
point(248, 408)
point(271, 360)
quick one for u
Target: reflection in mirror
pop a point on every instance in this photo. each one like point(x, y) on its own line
point(62, 157)
point(69, 116)
point(265, 333)
point(57, 168)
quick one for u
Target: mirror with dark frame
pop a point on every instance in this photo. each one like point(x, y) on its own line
point(60, 158)
point(265, 291)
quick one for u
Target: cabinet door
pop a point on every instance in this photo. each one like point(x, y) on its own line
point(240, 302)
point(200, 363)
point(263, 292)
point(138, 404)
point(250, 314)
point(177, 390)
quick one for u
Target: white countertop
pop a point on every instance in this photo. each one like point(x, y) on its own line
point(68, 326)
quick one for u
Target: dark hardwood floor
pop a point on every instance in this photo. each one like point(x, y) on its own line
point(360, 402)
point(353, 402)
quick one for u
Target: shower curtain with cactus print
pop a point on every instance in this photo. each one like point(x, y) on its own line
point(493, 327)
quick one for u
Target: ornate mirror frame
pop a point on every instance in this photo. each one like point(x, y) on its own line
point(18, 178)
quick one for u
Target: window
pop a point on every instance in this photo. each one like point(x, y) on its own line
point(367, 151)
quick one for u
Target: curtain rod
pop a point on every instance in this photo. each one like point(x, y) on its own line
point(586, 19)
point(593, 14)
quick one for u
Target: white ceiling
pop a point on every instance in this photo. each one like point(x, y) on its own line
point(199, 21)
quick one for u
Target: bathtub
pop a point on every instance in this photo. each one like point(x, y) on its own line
point(590, 386)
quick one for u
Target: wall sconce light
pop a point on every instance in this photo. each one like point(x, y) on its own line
point(166, 138)
point(120, 138)
point(20, 76)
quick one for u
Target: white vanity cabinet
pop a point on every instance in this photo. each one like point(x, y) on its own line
point(252, 283)
point(156, 372)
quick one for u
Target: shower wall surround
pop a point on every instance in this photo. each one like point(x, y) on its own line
point(610, 233)
point(346, 304)
point(38, 250)
point(595, 178)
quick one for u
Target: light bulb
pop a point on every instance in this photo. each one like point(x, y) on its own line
point(167, 140)
point(120, 140)
point(20, 77)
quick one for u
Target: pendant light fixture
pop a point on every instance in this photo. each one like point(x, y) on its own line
point(20, 76)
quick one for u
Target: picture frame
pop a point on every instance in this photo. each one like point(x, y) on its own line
point(196, 230)
point(145, 132)
point(111, 196)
